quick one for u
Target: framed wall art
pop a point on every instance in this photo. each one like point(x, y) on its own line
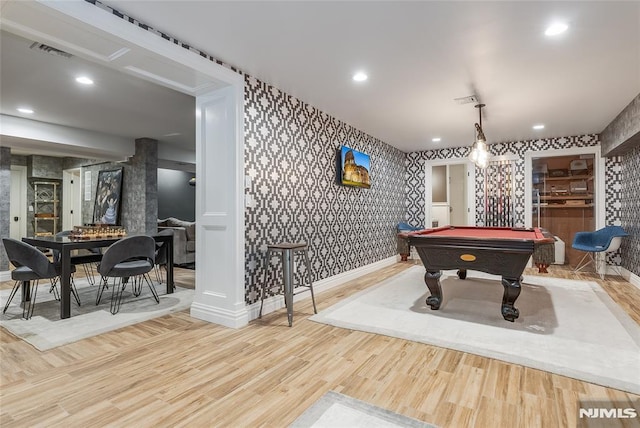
point(106, 209)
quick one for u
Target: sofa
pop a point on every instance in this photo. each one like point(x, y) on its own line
point(184, 239)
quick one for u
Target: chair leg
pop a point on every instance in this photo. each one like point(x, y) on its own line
point(166, 275)
point(88, 272)
point(156, 269)
point(54, 288)
point(13, 293)
point(116, 294)
point(313, 299)
point(32, 301)
point(74, 291)
point(601, 265)
point(264, 281)
point(104, 283)
point(146, 277)
point(284, 290)
point(136, 286)
point(582, 263)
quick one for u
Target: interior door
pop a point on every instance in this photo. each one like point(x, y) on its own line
point(440, 207)
point(18, 202)
point(457, 179)
point(71, 199)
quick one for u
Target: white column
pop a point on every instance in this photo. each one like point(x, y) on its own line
point(219, 296)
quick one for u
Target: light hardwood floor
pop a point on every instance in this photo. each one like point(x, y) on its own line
point(178, 371)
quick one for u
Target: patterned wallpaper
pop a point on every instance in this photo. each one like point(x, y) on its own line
point(293, 125)
point(290, 155)
point(415, 177)
point(630, 209)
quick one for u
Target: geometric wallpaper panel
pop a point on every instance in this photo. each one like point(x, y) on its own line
point(290, 155)
point(630, 209)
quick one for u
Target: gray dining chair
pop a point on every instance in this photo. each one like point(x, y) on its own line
point(87, 261)
point(128, 260)
point(31, 265)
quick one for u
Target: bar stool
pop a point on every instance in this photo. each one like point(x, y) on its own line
point(287, 252)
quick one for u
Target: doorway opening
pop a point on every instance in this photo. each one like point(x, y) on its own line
point(71, 198)
point(565, 195)
point(18, 202)
point(449, 194)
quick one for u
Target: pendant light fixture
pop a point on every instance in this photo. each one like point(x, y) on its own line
point(479, 154)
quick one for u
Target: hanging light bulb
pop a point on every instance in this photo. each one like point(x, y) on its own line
point(474, 155)
point(479, 154)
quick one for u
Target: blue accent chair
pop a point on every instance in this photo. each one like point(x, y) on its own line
point(402, 241)
point(406, 227)
point(596, 245)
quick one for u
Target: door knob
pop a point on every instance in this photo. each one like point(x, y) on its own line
point(15, 218)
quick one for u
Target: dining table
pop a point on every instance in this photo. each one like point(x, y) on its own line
point(66, 244)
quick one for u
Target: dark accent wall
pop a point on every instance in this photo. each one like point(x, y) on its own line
point(630, 209)
point(176, 198)
point(290, 155)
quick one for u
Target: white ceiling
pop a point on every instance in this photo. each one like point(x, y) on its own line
point(117, 104)
point(419, 56)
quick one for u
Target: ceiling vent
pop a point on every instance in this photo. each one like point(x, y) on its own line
point(50, 50)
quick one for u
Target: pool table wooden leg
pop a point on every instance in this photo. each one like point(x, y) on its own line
point(511, 292)
point(432, 279)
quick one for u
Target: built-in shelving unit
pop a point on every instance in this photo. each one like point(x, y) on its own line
point(571, 191)
point(563, 195)
point(46, 208)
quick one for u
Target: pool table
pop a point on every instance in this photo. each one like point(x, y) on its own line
point(496, 250)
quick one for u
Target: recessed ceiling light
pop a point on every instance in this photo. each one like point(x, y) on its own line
point(436, 139)
point(171, 134)
point(25, 110)
point(84, 80)
point(360, 76)
point(539, 126)
point(556, 28)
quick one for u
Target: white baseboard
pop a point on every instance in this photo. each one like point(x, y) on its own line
point(632, 278)
point(275, 303)
point(626, 274)
point(227, 318)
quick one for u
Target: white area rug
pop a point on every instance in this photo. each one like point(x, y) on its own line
point(45, 330)
point(335, 410)
point(572, 328)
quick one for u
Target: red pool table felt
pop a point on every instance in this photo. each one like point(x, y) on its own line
point(533, 234)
